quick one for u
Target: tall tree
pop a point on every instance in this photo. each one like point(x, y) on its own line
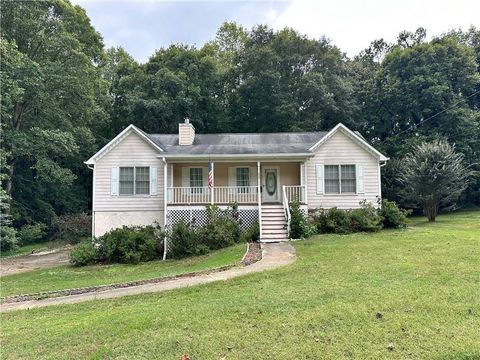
point(434, 175)
point(50, 84)
point(286, 81)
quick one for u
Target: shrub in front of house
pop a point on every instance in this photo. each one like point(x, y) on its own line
point(184, 241)
point(393, 217)
point(131, 245)
point(222, 228)
point(300, 227)
point(365, 218)
point(84, 253)
point(252, 234)
point(332, 220)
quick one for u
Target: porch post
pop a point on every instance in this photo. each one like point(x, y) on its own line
point(305, 180)
point(259, 196)
point(165, 196)
point(213, 184)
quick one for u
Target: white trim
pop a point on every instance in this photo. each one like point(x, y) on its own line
point(259, 180)
point(165, 167)
point(354, 137)
point(289, 156)
point(305, 170)
point(93, 204)
point(118, 139)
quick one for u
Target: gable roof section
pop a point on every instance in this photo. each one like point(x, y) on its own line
point(236, 145)
point(356, 137)
point(117, 139)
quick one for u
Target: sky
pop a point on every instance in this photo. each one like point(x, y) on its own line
point(141, 27)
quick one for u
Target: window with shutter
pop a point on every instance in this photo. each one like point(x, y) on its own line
point(134, 180)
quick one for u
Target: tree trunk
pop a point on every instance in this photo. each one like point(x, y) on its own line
point(431, 210)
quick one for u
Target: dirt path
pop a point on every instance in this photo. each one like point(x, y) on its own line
point(274, 255)
point(40, 260)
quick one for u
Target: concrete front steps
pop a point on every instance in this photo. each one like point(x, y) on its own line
point(274, 223)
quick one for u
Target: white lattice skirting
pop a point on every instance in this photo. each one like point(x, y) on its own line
point(197, 215)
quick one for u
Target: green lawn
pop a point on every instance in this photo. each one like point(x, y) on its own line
point(424, 281)
point(67, 277)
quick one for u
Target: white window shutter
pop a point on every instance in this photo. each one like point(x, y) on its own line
point(185, 177)
point(153, 180)
point(359, 179)
point(320, 182)
point(114, 179)
point(205, 176)
point(232, 179)
point(253, 176)
point(232, 176)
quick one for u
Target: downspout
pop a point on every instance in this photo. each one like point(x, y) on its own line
point(92, 167)
point(380, 179)
point(164, 207)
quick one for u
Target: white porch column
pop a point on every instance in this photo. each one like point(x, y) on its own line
point(165, 199)
point(212, 200)
point(305, 180)
point(259, 196)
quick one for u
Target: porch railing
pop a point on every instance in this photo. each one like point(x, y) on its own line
point(294, 193)
point(217, 195)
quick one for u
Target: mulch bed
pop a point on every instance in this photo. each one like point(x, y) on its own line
point(254, 254)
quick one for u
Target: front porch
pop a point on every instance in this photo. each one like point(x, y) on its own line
point(241, 183)
point(262, 191)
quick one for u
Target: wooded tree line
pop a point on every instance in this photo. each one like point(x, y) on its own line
point(64, 95)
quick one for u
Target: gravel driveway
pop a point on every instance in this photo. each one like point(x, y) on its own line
point(40, 260)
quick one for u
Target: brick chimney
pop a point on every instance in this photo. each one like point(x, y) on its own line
point(186, 133)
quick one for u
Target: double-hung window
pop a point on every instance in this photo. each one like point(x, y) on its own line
point(196, 180)
point(243, 179)
point(340, 179)
point(134, 180)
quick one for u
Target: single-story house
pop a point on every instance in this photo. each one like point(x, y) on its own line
point(141, 178)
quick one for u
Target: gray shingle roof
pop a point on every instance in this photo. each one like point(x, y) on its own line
point(265, 143)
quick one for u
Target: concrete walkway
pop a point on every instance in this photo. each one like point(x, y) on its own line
point(274, 255)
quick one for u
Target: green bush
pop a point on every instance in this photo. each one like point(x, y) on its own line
point(222, 229)
point(338, 221)
point(252, 234)
point(32, 233)
point(185, 241)
point(74, 227)
point(393, 216)
point(333, 220)
point(366, 218)
point(8, 238)
point(131, 245)
point(84, 253)
point(300, 227)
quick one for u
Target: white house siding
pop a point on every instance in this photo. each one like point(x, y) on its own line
point(111, 211)
point(105, 221)
point(340, 149)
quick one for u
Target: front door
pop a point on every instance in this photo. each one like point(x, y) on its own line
point(270, 185)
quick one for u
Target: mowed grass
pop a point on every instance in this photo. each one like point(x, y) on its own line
point(423, 282)
point(68, 277)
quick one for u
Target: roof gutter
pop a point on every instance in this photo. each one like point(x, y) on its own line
point(236, 156)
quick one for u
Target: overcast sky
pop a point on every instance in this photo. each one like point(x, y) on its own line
point(143, 26)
